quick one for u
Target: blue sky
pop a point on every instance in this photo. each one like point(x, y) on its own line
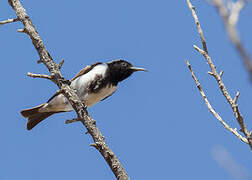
point(156, 123)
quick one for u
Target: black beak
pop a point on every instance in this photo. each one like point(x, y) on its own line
point(138, 69)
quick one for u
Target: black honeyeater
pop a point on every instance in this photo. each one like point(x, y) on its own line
point(93, 83)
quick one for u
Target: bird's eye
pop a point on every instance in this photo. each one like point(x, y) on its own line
point(124, 64)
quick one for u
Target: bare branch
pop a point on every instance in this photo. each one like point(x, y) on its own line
point(210, 73)
point(68, 92)
point(9, 21)
point(72, 120)
point(21, 30)
point(39, 76)
point(236, 97)
point(94, 145)
point(217, 76)
point(210, 108)
point(61, 63)
point(198, 25)
point(199, 50)
point(230, 20)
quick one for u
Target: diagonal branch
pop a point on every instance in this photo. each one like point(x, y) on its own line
point(70, 94)
point(230, 20)
point(217, 76)
point(210, 108)
point(198, 25)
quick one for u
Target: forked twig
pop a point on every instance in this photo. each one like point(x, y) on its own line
point(210, 108)
point(217, 76)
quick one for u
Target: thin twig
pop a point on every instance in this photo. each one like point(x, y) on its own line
point(61, 63)
point(9, 21)
point(217, 76)
point(210, 108)
point(93, 145)
point(72, 120)
point(21, 31)
point(210, 73)
point(198, 25)
point(225, 93)
point(236, 97)
point(39, 76)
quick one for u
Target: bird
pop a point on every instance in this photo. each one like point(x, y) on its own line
point(93, 84)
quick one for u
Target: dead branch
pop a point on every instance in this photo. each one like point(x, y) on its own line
point(209, 106)
point(230, 19)
point(39, 76)
point(69, 93)
point(217, 76)
point(9, 21)
point(72, 120)
point(61, 63)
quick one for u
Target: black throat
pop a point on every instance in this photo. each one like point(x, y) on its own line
point(117, 74)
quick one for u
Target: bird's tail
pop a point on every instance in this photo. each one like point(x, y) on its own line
point(34, 116)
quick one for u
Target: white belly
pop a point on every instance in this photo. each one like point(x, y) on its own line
point(60, 103)
point(81, 84)
point(91, 99)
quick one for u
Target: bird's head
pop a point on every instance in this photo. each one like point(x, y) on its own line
point(121, 69)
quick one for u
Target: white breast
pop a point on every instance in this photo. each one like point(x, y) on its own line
point(81, 84)
point(91, 99)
